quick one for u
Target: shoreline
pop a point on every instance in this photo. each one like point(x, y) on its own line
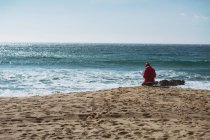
point(74, 92)
point(120, 113)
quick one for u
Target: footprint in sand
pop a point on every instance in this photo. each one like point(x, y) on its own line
point(115, 123)
point(122, 133)
point(44, 137)
point(141, 124)
point(190, 133)
point(137, 133)
point(176, 131)
point(147, 115)
point(128, 136)
point(115, 115)
point(106, 135)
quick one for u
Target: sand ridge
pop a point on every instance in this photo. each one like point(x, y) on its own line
point(121, 113)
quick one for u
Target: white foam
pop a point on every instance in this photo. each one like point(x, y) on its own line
point(40, 81)
point(197, 85)
point(43, 81)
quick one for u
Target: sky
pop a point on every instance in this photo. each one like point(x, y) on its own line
point(105, 21)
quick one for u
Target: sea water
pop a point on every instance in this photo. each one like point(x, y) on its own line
point(46, 68)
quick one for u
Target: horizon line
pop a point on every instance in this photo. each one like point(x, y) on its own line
point(65, 42)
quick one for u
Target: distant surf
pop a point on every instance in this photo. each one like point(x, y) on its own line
point(45, 68)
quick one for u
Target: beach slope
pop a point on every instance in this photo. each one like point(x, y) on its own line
point(121, 113)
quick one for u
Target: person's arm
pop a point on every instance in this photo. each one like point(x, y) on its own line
point(145, 73)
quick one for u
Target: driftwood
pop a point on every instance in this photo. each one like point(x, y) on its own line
point(165, 83)
point(171, 82)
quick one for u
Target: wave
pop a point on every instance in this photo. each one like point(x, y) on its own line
point(74, 59)
point(30, 69)
point(41, 81)
point(183, 63)
point(105, 54)
point(171, 74)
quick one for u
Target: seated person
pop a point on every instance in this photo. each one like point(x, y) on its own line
point(149, 75)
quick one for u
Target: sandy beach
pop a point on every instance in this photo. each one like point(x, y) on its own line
point(122, 113)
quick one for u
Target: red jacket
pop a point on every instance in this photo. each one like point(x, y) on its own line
point(149, 74)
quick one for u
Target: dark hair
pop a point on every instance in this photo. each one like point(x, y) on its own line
point(147, 64)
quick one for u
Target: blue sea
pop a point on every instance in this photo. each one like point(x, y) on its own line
point(45, 68)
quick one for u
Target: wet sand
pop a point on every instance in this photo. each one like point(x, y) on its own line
point(122, 113)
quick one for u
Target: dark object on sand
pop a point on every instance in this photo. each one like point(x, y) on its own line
point(171, 82)
point(149, 84)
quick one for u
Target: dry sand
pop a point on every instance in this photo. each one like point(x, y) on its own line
point(122, 113)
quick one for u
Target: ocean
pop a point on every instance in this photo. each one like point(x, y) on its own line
point(47, 68)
